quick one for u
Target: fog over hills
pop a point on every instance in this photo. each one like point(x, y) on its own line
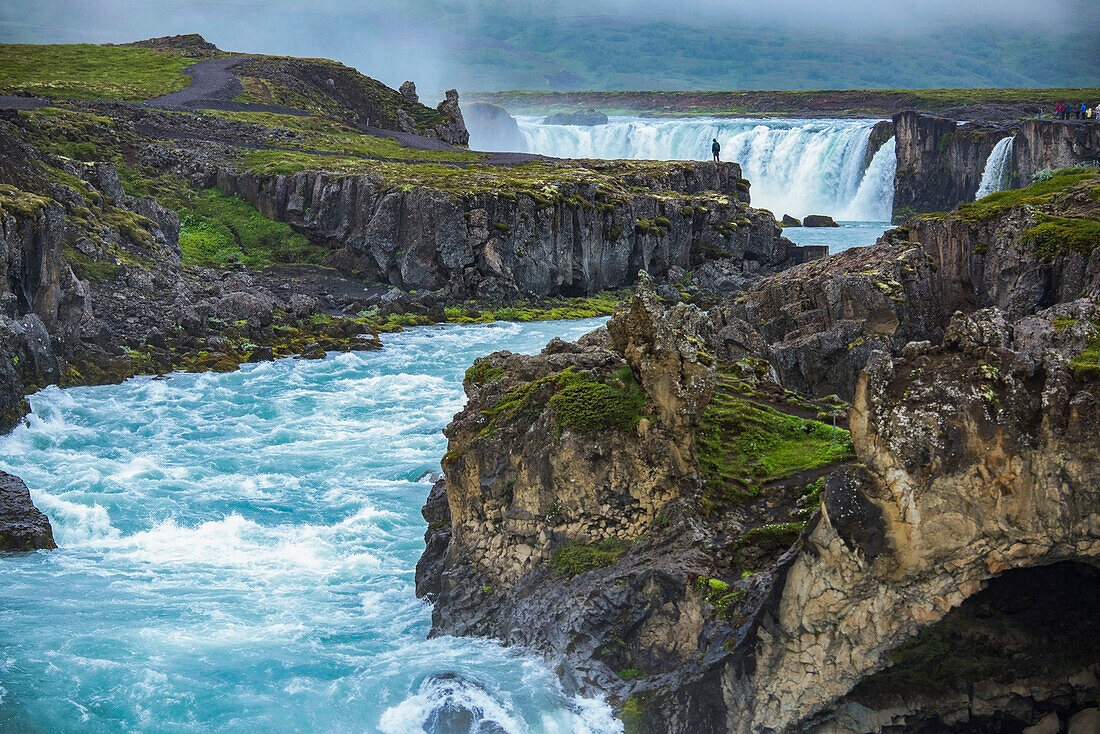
point(616, 44)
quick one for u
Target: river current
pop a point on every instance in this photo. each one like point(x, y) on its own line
point(237, 553)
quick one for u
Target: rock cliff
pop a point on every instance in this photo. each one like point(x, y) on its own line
point(22, 526)
point(570, 238)
point(940, 161)
point(707, 586)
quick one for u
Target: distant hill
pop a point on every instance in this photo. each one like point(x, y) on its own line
point(487, 45)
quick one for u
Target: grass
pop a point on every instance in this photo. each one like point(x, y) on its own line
point(541, 181)
point(581, 401)
point(577, 558)
point(742, 445)
point(1086, 365)
point(1054, 236)
point(999, 203)
point(551, 309)
point(218, 229)
point(91, 72)
point(325, 134)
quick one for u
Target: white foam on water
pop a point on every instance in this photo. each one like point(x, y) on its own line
point(237, 550)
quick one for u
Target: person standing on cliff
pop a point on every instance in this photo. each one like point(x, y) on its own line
point(715, 148)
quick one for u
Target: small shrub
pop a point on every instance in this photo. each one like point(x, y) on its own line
point(577, 558)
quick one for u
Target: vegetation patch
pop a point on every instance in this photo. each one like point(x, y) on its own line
point(1086, 365)
point(586, 405)
point(483, 372)
point(742, 444)
point(87, 71)
point(998, 204)
point(219, 229)
point(577, 558)
point(1054, 236)
point(314, 133)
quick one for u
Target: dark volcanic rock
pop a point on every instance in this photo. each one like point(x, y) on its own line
point(818, 220)
point(789, 221)
point(23, 527)
point(586, 118)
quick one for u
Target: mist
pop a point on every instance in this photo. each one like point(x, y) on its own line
point(614, 44)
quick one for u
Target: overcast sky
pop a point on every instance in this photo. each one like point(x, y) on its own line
point(398, 39)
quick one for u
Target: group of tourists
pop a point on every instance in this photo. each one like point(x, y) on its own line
point(1063, 111)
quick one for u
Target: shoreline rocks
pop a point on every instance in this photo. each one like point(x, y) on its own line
point(23, 527)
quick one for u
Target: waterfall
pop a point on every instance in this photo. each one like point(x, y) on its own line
point(796, 167)
point(995, 173)
point(874, 199)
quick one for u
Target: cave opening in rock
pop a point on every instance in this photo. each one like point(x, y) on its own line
point(1023, 652)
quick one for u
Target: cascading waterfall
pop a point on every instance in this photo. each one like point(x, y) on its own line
point(997, 166)
point(874, 200)
point(796, 167)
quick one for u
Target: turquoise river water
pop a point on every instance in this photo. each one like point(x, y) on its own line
point(237, 554)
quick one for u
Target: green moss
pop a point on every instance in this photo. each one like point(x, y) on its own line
point(590, 406)
point(772, 537)
point(629, 674)
point(632, 715)
point(94, 72)
point(742, 445)
point(1054, 236)
point(24, 204)
point(88, 269)
point(1086, 365)
point(577, 558)
point(483, 372)
point(218, 229)
point(997, 204)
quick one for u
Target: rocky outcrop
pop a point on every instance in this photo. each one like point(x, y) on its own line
point(492, 128)
point(818, 323)
point(1054, 144)
point(939, 161)
point(975, 458)
point(511, 502)
point(22, 526)
point(453, 128)
point(570, 239)
point(585, 118)
point(818, 220)
point(789, 221)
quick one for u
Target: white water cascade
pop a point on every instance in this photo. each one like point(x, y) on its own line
point(796, 167)
point(995, 174)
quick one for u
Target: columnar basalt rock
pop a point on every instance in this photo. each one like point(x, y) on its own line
point(500, 245)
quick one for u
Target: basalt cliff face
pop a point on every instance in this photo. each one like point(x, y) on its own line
point(677, 528)
point(940, 161)
point(500, 245)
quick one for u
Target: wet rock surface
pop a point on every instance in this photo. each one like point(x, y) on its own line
point(22, 526)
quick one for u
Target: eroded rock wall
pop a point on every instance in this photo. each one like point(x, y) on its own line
point(500, 245)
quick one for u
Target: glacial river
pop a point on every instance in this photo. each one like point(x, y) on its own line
point(237, 554)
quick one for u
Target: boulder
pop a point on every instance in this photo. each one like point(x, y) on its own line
point(818, 220)
point(1086, 721)
point(408, 91)
point(789, 221)
point(23, 527)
